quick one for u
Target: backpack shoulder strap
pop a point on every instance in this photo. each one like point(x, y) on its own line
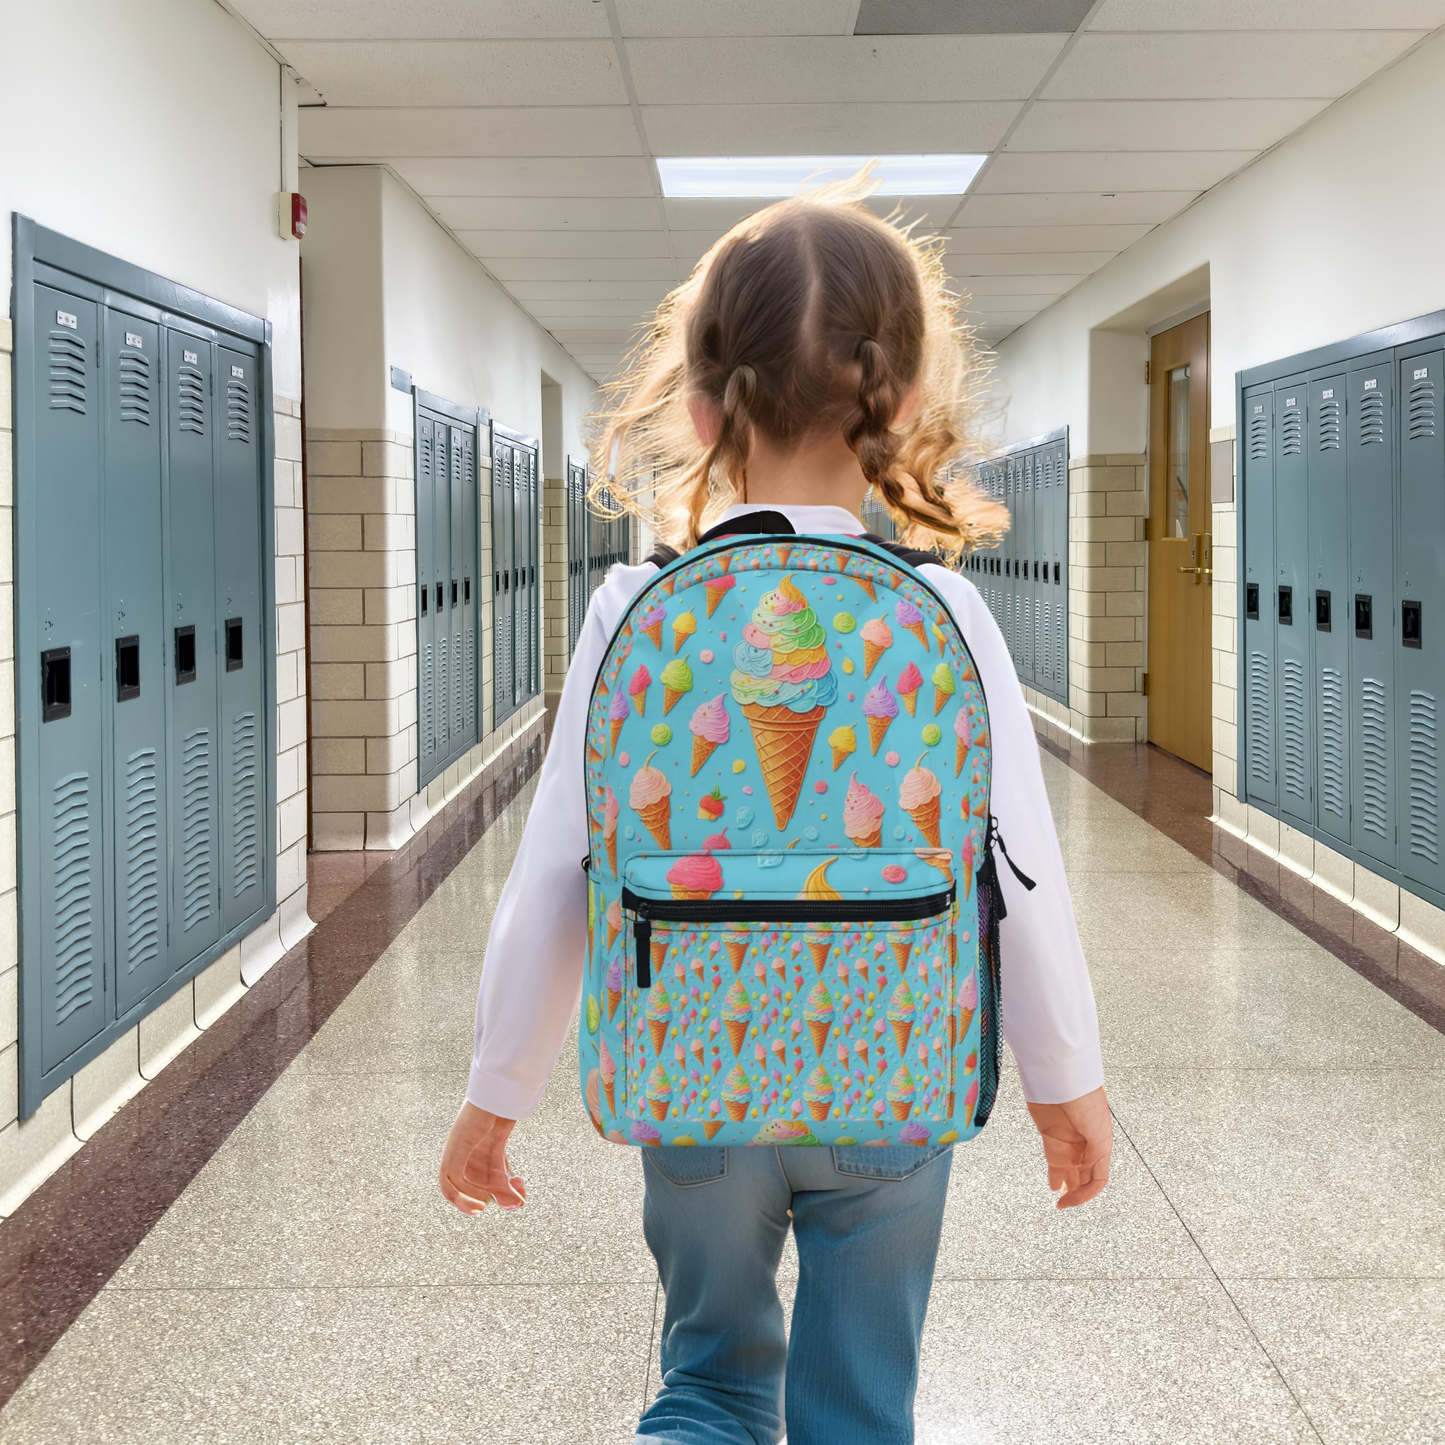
point(913, 556)
point(750, 524)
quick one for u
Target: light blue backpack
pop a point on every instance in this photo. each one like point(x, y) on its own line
point(788, 807)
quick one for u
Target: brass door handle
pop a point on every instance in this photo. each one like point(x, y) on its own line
point(1201, 546)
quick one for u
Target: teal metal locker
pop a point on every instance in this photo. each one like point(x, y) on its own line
point(1258, 661)
point(135, 681)
point(577, 534)
point(1293, 721)
point(516, 568)
point(1326, 613)
point(426, 641)
point(503, 578)
point(1419, 622)
point(1371, 474)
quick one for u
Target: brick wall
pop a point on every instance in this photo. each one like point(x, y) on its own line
point(1225, 619)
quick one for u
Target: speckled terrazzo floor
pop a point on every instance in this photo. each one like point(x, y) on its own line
point(1268, 1264)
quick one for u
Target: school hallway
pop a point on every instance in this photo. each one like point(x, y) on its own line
point(1267, 1264)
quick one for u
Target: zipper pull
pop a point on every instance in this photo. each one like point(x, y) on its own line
point(995, 837)
point(642, 945)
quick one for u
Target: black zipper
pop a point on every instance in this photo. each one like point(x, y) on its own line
point(780, 910)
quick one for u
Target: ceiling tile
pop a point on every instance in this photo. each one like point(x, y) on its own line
point(423, 19)
point(541, 291)
point(378, 134)
point(1074, 208)
point(1015, 263)
point(784, 70)
point(1019, 171)
point(733, 17)
point(1224, 66)
point(718, 216)
point(1153, 125)
point(543, 213)
point(609, 176)
point(828, 128)
point(581, 244)
point(460, 72)
point(1051, 285)
point(1026, 239)
point(1271, 15)
point(583, 268)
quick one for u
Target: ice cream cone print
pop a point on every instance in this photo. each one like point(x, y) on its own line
point(737, 1013)
point(818, 950)
point(901, 1109)
point(637, 689)
point(949, 1110)
point(611, 840)
point(880, 707)
point(871, 653)
point(715, 589)
point(658, 1030)
point(909, 681)
point(866, 583)
point(819, 1032)
point(818, 1110)
point(654, 631)
point(862, 815)
point(710, 728)
point(711, 1127)
point(658, 949)
point(901, 1034)
point(651, 798)
point(683, 627)
point(658, 1107)
point(784, 743)
point(919, 797)
point(737, 1112)
point(877, 731)
point(844, 743)
point(676, 683)
point(702, 750)
point(737, 1033)
point(952, 1032)
point(944, 687)
point(613, 999)
point(736, 950)
point(861, 1049)
point(615, 728)
point(910, 619)
point(901, 949)
point(614, 922)
point(970, 1103)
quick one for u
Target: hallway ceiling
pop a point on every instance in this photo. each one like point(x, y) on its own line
point(529, 127)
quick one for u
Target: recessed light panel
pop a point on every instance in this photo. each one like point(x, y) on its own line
point(770, 177)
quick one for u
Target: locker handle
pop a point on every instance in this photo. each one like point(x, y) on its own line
point(466, 589)
point(1364, 616)
point(127, 668)
point(185, 655)
point(1251, 602)
point(1322, 610)
point(454, 591)
point(440, 597)
point(425, 597)
point(1410, 624)
point(1286, 606)
point(54, 684)
point(235, 657)
point(1056, 572)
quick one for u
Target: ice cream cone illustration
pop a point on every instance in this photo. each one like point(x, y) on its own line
point(818, 1093)
point(614, 987)
point(659, 1015)
point(901, 1090)
point(737, 1093)
point(918, 796)
point(967, 1004)
point(818, 1015)
point(698, 876)
point(676, 681)
point(651, 799)
point(877, 639)
point(594, 1100)
point(614, 922)
point(610, 810)
point(650, 623)
point(966, 853)
point(711, 1127)
point(637, 689)
point(736, 950)
point(844, 744)
point(901, 947)
point(909, 681)
point(683, 627)
point(962, 739)
point(716, 588)
point(901, 1012)
point(970, 1103)
point(862, 815)
point(710, 729)
point(944, 687)
point(861, 1049)
point(737, 1014)
point(818, 950)
point(880, 707)
point(617, 714)
point(659, 1092)
point(866, 583)
point(910, 619)
point(608, 1068)
point(784, 683)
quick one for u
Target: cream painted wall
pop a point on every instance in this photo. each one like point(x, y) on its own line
point(152, 129)
point(1335, 232)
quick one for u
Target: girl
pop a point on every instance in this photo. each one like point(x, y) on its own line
point(813, 355)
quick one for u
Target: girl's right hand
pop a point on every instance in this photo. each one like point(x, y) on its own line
point(474, 1171)
point(1078, 1139)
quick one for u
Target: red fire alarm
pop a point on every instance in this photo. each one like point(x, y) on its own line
point(291, 215)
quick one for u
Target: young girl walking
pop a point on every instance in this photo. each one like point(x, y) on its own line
point(814, 356)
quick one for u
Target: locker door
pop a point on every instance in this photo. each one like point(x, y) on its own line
point(1028, 591)
point(1060, 573)
point(425, 612)
point(1043, 597)
point(191, 649)
point(1371, 602)
point(240, 534)
point(534, 572)
point(470, 558)
point(1419, 622)
point(1259, 603)
point(1324, 612)
point(521, 607)
point(502, 511)
point(1293, 720)
point(456, 570)
point(441, 541)
point(1010, 547)
point(71, 855)
point(134, 685)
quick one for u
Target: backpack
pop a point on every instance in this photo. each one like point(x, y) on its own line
point(792, 906)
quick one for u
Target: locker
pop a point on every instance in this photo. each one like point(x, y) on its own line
point(503, 562)
point(1259, 599)
point(1294, 767)
point(425, 611)
point(1061, 570)
point(516, 570)
point(1419, 614)
point(577, 551)
point(1371, 472)
point(135, 696)
point(1325, 614)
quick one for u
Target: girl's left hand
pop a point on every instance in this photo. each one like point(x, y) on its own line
point(474, 1171)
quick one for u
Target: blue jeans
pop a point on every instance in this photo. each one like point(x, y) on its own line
point(867, 1223)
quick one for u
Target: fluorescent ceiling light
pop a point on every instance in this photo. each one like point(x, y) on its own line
point(772, 176)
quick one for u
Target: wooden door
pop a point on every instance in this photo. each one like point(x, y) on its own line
point(1180, 546)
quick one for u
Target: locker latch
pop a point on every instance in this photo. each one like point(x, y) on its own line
point(441, 597)
point(466, 589)
point(1322, 610)
point(235, 659)
point(454, 591)
point(425, 597)
point(1364, 616)
point(185, 655)
point(1286, 606)
point(1409, 624)
point(127, 668)
point(54, 684)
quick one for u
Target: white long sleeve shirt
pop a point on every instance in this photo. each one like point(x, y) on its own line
point(532, 979)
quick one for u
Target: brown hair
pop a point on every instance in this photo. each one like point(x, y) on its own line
point(810, 316)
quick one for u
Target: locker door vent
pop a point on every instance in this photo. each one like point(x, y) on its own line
point(135, 387)
point(1292, 726)
point(1372, 419)
point(1329, 426)
point(1422, 409)
point(1291, 431)
point(238, 411)
point(1332, 742)
point(459, 706)
point(245, 829)
point(1259, 439)
point(1261, 709)
point(443, 684)
point(470, 681)
point(196, 828)
point(191, 400)
point(428, 740)
point(67, 372)
point(1424, 778)
point(70, 848)
point(142, 861)
point(1374, 758)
